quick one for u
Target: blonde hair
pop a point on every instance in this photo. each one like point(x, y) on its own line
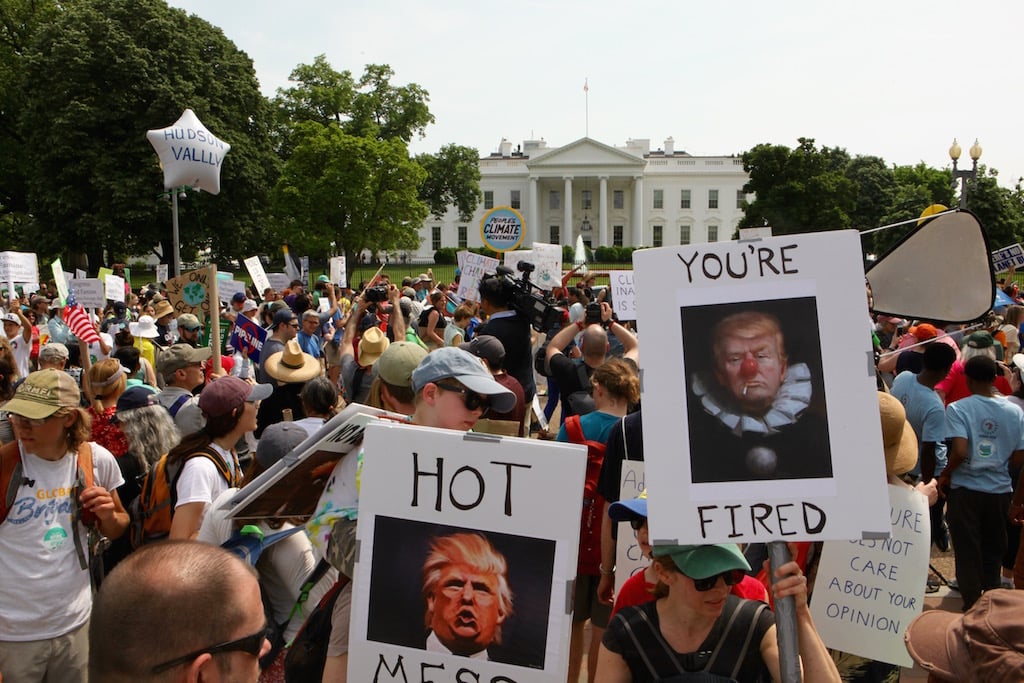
point(107, 379)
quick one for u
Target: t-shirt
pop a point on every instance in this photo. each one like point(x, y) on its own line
point(926, 415)
point(566, 373)
point(356, 380)
point(994, 429)
point(596, 426)
point(201, 481)
point(954, 387)
point(44, 592)
point(22, 353)
point(451, 332)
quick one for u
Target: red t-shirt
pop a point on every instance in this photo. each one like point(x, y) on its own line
point(636, 591)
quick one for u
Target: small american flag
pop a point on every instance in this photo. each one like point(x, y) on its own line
point(78, 321)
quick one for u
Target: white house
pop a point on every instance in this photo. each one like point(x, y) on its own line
point(612, 196)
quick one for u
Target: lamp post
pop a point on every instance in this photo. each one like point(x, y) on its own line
point(964, 175)
point(176, 194)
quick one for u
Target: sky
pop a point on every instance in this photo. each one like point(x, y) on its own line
point(897, 79)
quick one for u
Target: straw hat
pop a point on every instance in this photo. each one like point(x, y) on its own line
point(898, 439)
point(292, 366)
point(162, 308)
point(373, 343)
point(145, 328)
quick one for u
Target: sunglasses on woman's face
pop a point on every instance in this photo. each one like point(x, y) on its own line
point(731, 578)
point(637, 523)
point(472, 399)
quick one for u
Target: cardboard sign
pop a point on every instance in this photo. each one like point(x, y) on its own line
point(18, 266)
point(190, 292)
point(473, 268)
point(258, 275)
point(436, 493)
point(628, 558)
point(248, 336)
point(80, 274)
point(339, 274)
point(113, 287)
point(623, 294)
point(89, 292)
point(60, 279)
point(1007, 257)
point(868, 591)
point(760, 381)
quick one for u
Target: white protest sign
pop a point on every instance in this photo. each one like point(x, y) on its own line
point(512, 258)
point(18, 266)
point(868, 591)
point(623, 293)
point(258, 275)
point(473, 268)
point(228, 288)
point(161, 272)
point(279, 281)
point(1007, 257)
point(113, 286)
point(304, 273)
point(89, 292)
point(628, 558)
point(80, 274)
point(548, 259)
point(424, 489)
point(758, 442)
point(339, 275)
point(60, 279)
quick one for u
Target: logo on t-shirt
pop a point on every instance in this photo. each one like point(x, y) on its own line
point(55, 538)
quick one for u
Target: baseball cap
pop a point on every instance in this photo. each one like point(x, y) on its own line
point(277, 441)
point(462, 366)
point(12, 318)
point(396, 364)
point(625, 510)
point(423, 277)
point(702, 561)
point(238, 297)
point(924, 332)
point(53, 351)
point(488, 347)
point(982, 644)
point(189, 322)
point(179, 356)
point(249, 305)
point(43, 393)
point(283, 316)
point(980, 340)
point(135, 397)
point(225, 394)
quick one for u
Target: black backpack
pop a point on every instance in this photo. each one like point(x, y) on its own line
point(581, 401)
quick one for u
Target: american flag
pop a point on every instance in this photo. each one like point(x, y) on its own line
point(77, 320)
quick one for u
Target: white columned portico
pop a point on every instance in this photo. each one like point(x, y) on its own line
point(602, 213)
point(567, 216)
point(532, 232)
point(638, 211)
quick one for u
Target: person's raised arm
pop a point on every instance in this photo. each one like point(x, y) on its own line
point(347, 346)
point(26, 324)
point(561, 340)
point(630, 344)
point(397, 319)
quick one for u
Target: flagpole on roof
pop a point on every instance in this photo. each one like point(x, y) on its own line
point(586, 106)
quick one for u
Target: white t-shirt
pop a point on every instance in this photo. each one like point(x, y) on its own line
point(22, 353)
point(44, 592)
point(96, 352)
point(283, 567)
point(200, 481)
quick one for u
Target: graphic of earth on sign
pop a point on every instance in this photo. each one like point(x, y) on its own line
point(194, 294)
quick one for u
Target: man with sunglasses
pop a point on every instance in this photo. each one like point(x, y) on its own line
point(207, 604)
point(283, 328)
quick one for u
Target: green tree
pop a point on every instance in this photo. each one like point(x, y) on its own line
point(997, 209)
point(874, 184)
point(103, 72)
point(453, 179)
point(915, 189)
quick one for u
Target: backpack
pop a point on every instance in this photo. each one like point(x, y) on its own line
point(588, 561)
point(581, 401)
point(307, 653)
point(152, 510)
point(12, 477)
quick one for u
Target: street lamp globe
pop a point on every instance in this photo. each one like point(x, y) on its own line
point(975, 151)
point(954, 150)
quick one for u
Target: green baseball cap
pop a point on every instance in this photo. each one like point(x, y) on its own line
point(43, 393)
point(702, 561)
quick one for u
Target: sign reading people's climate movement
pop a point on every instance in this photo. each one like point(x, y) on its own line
point(443, 514)
point(764, 396)
point(502, 229)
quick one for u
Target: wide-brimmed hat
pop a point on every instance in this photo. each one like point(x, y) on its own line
point(292, 365)
point(43, 393)
point(702, 561)
point(454, 363)
point(145, 328)
point(226, 394)
point(398, 361)
point(982, 644)
point(371, 345)
point(162, 308)
point(898, 439)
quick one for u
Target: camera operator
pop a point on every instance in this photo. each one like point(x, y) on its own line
point(511, 328)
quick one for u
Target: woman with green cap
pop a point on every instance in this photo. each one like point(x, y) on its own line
point(696, 630)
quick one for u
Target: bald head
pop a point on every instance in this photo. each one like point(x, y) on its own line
point(594, 343)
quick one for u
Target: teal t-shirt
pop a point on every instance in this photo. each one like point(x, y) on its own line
point(994, 429)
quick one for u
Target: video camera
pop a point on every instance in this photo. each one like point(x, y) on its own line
point(542, 314)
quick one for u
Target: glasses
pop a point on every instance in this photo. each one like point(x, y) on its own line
point(293, 324)
point(251, 645)
point(472, 399)
point(731, 578)
point(637, 523)
point(29, 421)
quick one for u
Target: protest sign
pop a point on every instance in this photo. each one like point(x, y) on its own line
point(473, 268)
point(304, 269)
point(431, 492)
point(512, 258)
point(868, 591)
point(18, 266)
point(89, 292)
point(60, 279)
point(1007, 257)
point(190, 292)
point(279, 281)
point(248, 336)
point(502, 228)
point(548, 259)
point(758, 396)
point(339, 275)
point(80, 274)
point(628, 558)
point(113, 287)
point(161, 272)
point(258, 275)
point(623, 294)
point(227, 288)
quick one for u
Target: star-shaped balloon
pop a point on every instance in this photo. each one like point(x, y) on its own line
point(189, 153)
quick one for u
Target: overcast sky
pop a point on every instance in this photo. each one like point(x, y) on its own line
point(898, 79)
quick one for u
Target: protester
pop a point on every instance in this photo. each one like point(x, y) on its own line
point(319, 399)
point(283, 328)
point(289, 371)
point(392, 387)
point(18, 330)
point(181, 367)
point(954, 386)
point(490, 350)
point(511, 328)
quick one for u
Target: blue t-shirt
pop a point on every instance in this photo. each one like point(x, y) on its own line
point(309, 343)
point(926, 415)
point(994, 429)
point(596, 426)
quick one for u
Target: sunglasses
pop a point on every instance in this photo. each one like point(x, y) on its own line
point(472, 399)
point(29, 421)
point(637, 523)
point(252, 645)
point(731, 578)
